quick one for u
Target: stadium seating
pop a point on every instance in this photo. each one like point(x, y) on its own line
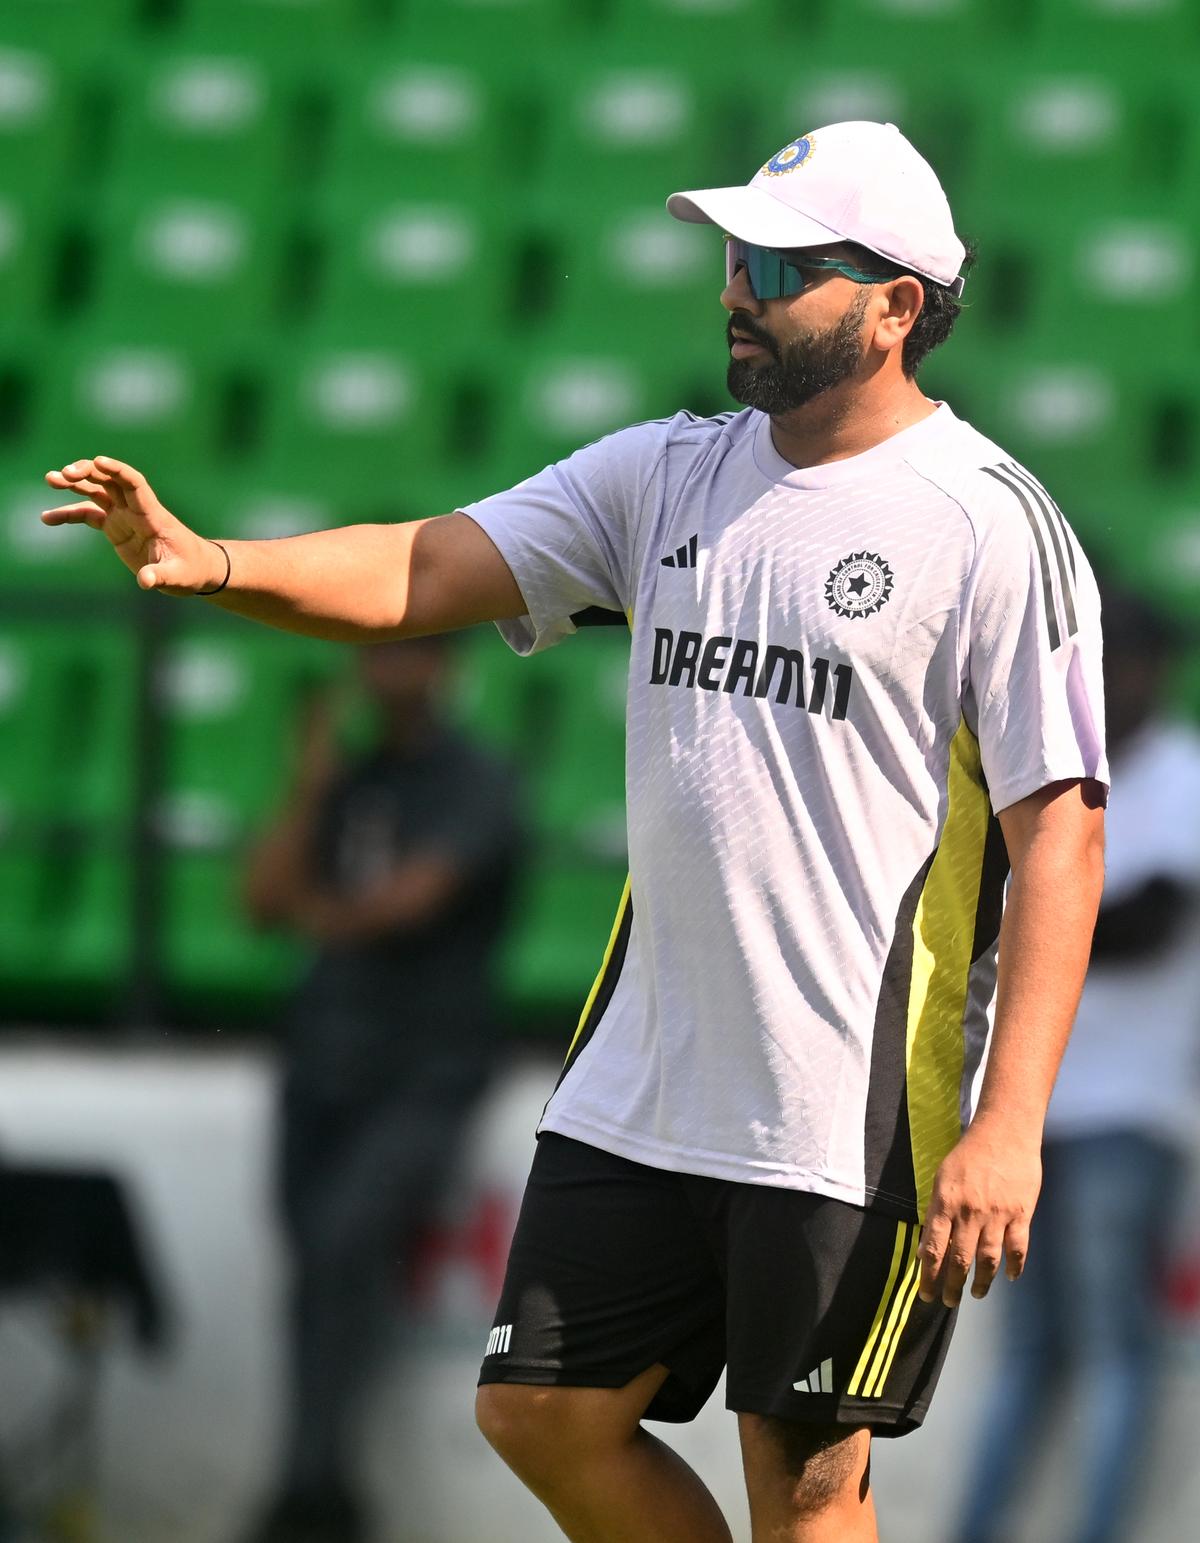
point(205, 123)
point(309, 262)
point(37, 121)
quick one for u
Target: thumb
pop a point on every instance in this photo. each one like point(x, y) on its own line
point(171, 573)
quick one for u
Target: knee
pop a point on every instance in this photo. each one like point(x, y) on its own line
point(530, 1427)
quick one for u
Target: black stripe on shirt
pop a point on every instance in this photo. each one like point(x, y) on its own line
point(1049, 510)
point(1040, 543)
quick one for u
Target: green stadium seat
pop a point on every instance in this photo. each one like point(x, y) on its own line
point(68, 716)
point(29, 245)
point(358, 420)
point(1071, 419)
point(625, 134)
point(691, 31)
point(428, 125)
point(155, 406)
point(169, 265)
point(438, 278)
point(214, 959)
point(635, 280)
point(232, 699)
point(68, 26)
point(67, 944)
point(562, 397)
point(1122, 36)
point(1113, 286)
point(1043, 143)
point(934, 35)
point(207, 124)
point(37, 123)
point(307, 31)
point(1147, 531)
point(504, 32)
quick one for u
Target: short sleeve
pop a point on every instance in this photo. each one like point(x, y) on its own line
point(1034, 688)
point(569, 533)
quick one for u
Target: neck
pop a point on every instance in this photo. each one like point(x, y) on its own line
point(848, 420)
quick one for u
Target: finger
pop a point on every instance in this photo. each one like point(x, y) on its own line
point(988, 1254)
point(1016, 1248)
point(68, 476)
point(137, 494)
point(934, 1237)
point(75, 514)
point(956, 1266)
point(100, 491)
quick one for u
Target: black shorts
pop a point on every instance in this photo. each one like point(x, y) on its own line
point(810, 1302)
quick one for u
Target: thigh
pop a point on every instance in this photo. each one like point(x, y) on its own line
point(609, 1274)
point(824, 1324)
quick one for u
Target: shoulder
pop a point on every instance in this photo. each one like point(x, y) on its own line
point(682, 430)
point(998, 495)
point(632, 456)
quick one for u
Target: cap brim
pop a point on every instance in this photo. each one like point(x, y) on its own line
point(751, 215)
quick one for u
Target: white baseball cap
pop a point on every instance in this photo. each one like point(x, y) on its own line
point(860, 182)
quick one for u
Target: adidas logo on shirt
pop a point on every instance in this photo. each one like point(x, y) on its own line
point(683, 557)
point(819, 1380)
point(499, 1340)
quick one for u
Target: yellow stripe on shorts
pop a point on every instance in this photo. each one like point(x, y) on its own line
point(902, 1232)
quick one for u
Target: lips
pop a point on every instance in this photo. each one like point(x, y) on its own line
point(741, 346)
point(743, 343)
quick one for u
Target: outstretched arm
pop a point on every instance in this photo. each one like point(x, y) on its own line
point(987, 1186)
point(358, 584)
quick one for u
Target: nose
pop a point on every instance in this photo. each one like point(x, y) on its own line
point(738, 296)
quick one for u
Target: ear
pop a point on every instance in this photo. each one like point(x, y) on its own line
point(903, 299)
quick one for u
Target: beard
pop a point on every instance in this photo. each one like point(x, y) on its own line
point(804, 369)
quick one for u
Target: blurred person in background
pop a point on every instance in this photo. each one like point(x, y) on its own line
point(1088, 1322)
point(395, 862)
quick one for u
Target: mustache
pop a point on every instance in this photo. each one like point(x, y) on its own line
point(743, 322)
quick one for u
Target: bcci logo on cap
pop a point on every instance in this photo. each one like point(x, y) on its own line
point(791, 156)
point(860, 585)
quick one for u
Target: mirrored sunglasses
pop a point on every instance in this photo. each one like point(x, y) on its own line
point(774, 275)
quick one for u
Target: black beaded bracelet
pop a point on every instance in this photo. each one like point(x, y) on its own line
point(228, 571)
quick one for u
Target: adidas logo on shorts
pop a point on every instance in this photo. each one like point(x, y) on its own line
point(819, 1380)
point(499, 1340)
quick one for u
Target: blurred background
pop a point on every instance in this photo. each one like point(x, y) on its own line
point(314, 262)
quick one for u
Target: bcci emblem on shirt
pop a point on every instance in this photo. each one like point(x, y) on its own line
point(859, 585)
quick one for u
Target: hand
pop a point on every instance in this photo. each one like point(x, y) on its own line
point(983, 1198)
point(157, 548)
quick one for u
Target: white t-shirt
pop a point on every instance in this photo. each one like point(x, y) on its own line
point(832, 671)
point(1133, 1061)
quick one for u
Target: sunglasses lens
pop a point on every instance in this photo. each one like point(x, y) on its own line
point(767, 272)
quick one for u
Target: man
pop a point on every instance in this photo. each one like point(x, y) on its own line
point(396, 861)
point(860, 633)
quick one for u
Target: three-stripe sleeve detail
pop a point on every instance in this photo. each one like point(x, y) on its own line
point(891, 1316)
point(1052, 540)
point(1060, 540)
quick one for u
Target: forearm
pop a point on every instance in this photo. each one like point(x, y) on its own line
point(348, 585)
point(1044, 945)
